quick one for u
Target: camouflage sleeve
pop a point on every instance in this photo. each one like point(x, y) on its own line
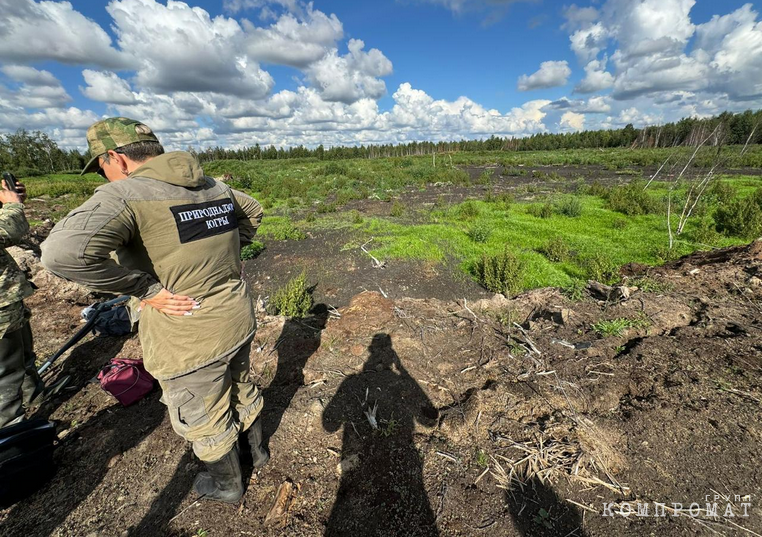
point(79, 248)
point(13, 224)
point(249, 213)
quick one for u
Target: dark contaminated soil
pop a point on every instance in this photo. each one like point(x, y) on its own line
point(437, 410)
point(338, 272)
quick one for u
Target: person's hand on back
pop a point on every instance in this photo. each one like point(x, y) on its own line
point(167, 302)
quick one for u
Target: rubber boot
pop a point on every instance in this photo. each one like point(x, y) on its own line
point(222, 481)
point(259, 454)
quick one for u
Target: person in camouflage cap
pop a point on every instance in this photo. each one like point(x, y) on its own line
point(20, 385)
point(169, 236)
point(111, 135)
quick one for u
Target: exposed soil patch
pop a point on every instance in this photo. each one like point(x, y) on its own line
point(666, 411)
point(341, 270)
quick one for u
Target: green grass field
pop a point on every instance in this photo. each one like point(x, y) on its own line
point(465, 232)
point(585, 232)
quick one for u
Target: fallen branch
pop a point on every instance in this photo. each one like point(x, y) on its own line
point(284, 500)
point(528, 339)
point(376, 262)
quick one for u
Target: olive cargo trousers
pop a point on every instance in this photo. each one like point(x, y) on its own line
point(213, 404)
point(19, 382)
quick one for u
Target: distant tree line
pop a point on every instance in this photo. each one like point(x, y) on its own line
point(34, 153)
point(735, 129)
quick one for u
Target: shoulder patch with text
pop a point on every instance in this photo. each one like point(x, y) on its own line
point(197, 221)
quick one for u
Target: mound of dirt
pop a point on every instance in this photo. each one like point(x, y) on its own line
point(523, 416)
point(48, 284)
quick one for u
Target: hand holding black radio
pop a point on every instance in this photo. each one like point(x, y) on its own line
point(12, 191)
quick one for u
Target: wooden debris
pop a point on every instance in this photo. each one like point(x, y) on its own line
point(284, 500)
point(376, 262)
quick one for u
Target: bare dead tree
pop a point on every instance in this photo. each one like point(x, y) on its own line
point(696, 190)
point(751, 134)
point(650, 180)
point(669, 221)
point(719, 134)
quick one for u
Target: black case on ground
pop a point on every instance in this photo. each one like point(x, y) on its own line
point(26, 458)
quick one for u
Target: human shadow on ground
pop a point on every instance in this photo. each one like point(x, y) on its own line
point(381, 490)
point(83, 456)
point(83, 460)
point(299, 339)
point(538, 511)
point(164, 508)
point(82, 365)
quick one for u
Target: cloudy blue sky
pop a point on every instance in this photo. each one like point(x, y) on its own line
point(289, 72)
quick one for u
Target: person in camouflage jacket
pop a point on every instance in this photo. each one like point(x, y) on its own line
point(20, 385)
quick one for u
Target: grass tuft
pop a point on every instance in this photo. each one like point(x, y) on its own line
point(250, 251)
point(615, 327)
point(293, 299)
point(501, 273)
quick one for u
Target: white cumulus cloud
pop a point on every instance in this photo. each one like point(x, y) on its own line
point(107, 87)
point(550, 75)
point(32, 31)
point(596, 78)
point(38, 89)
point(294, 41)
point(180, 48)
point(572, 121)
point(352, 76)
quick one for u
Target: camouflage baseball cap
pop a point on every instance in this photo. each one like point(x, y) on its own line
point(114, 132)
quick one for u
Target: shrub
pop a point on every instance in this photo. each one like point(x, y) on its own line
point(25, 171)
point(665, 254)
point(480, 233)
point(454, 176)
point(596, 189)
point(485, 178)
point(556, 249)
point(502, 273)
point(346, 195)
point(705, 232)
point(293, 299)
point(600, 268)
point(631, 200)
point(333, 168)
point(241, 183)
point(284, 232)
point(721, 193)
point(569, 206)
point(619, 223)
point(575, 291)
point(250, 251)
point(398, 209)
point(467, 210)
point(311, 217)
point(324, 208)
point(503, 199)
point(741, 217)
point(356, 217)
point(544, 210)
